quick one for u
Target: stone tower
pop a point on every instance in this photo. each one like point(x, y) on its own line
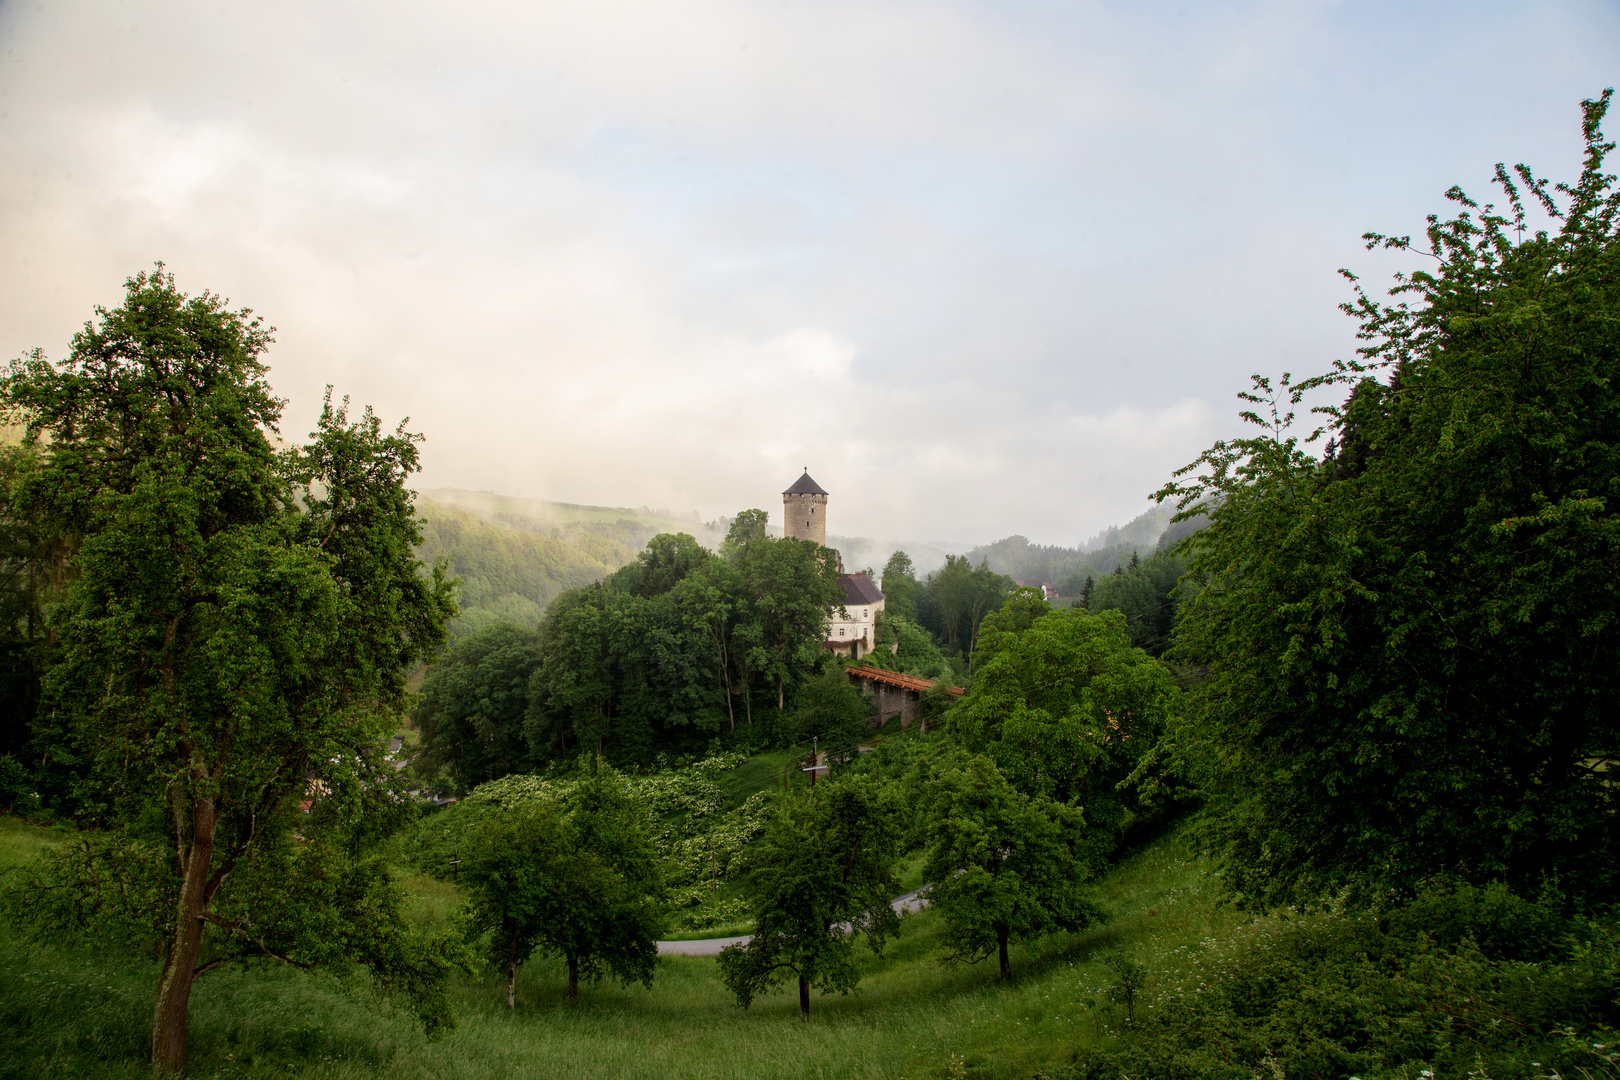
point(804, 510)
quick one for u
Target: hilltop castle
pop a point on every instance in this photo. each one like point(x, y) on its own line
point(804, 517)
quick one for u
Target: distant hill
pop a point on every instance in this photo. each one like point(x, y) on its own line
point(514, 556)
point(1067, 567)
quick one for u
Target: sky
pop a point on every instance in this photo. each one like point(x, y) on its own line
point(984, 268)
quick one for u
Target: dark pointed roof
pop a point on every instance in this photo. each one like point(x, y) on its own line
point(859, 589)
point(805, 486)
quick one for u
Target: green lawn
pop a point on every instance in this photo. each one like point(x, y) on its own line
point(73, 1013)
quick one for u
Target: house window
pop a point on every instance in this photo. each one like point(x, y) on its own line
point(865, 613)
point(840, 631)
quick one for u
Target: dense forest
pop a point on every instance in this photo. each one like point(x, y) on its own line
point(1316, 779)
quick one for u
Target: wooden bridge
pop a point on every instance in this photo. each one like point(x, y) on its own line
point(897, 694)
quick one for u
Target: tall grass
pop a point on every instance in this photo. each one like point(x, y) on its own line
point(73, 1013)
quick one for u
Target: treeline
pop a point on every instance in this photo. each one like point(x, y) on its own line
point(1013, 810)
point(1114, 549)
point(661, 656)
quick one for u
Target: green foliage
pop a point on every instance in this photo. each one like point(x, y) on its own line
point(68, 1011)
point(1143, 594)
point(832, 710)
point(1015, 616)
point(682, 645)
point(956, 598)
point(1006, 867)
point(899, 586)
point(1411, 642)
point(917, 653)
point(16, 786)
point(696, 829)
point(1129, 977)
point(1459, 982)
point(574, 876)
point(508, 573)
point(238, 622)
point(1066, 709)
point(473, 702)
point(820, 877)
point(32, 570)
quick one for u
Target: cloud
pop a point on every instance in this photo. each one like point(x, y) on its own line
point(985, 270)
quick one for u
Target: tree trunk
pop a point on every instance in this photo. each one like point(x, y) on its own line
point(780, 700)
point(511, 974)
point(180, 966)
point(573, 977)
point(1001, 946)
point(804, 997)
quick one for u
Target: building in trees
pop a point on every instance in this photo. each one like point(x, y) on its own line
point(854, 635)
point(804, 511)
point(804, 517)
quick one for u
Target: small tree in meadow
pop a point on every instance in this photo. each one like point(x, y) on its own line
point(574, 876)
point(821, 876)
point(1006, 866)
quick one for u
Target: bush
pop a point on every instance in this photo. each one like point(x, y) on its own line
point(1461, 981)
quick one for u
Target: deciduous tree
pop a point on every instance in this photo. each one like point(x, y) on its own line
point(237, 630)
point(1413, 641)
point(575, 876)
point(821, 877)
point(473, 703)
point(1006, 866)
point(1066, 708)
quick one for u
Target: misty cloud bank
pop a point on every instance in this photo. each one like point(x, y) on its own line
point(984, 272)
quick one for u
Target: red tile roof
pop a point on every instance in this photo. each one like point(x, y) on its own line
point(894, 678)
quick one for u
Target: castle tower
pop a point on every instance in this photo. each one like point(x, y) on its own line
point(804, 510)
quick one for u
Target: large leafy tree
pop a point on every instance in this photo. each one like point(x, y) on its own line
point(899, 585)
point(236, 634)
point(670, 651)
point(1006, 866)
point(1414, 642)
point(819, 879)
point(1066, 707)
point(1147, 595)
point(957, 597)
point(790, 587)
point(473, 704)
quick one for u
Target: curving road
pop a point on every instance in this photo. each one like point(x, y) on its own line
point(911, 901)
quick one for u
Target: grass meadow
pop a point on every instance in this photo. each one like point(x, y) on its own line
point(70, 1012)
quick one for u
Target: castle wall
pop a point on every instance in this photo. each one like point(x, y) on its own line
point(805, 517)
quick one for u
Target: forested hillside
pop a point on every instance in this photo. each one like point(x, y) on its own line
point(1068, 567)
point(515, 556)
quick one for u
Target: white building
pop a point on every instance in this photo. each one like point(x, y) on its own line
point(853, 636)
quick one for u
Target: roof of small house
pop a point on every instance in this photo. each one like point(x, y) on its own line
point(859, 589)
point(805, 486)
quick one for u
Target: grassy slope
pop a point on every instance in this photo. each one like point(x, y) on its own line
point(68, 1012)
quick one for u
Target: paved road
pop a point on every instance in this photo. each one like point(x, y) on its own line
point(712, 946)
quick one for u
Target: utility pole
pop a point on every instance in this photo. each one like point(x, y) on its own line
point(815, 760)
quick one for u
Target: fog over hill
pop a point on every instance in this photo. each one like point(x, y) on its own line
point(514, 555)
